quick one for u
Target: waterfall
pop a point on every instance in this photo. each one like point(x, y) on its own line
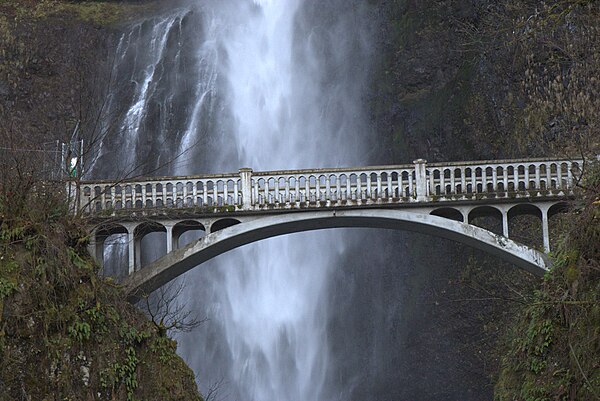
point(220, 85)
point(267, 335)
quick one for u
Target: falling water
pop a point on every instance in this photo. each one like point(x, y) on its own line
point(268, 327)
point(222, 85)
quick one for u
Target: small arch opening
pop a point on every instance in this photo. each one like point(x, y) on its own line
point(223, 223)
point(488, 218)
point(152, 237)
point(525, 225)
point(448, 213)
point(187, 231)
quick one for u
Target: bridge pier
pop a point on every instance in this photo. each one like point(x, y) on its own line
point(133, 246)
point(505, 223)
point(170, 239)
point(545, 227)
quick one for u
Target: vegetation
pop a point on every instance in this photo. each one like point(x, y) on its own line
point(551, 351)
point(101, 12)
point(547, 57)
point(66, 332)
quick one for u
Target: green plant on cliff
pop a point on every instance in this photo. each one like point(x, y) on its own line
point(100, 12)
point(65, 332)
point(552, 352)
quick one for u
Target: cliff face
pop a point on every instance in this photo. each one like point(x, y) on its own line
point(56, 61)
point(483, 80)
point(45, 65)
point(462, 79)
point(65, 333)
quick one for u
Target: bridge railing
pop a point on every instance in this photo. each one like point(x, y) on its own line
point(173, 192)
point(369, 184)
point(534, 177)
point(418, 182)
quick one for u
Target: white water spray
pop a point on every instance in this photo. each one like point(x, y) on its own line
point(270, 296)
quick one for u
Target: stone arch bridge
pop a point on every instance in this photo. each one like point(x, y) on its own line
point(231, 210)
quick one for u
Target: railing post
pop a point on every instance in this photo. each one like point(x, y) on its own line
point(421, 180)
point(246, 183)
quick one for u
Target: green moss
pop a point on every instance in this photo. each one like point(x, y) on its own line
point(65, 332)
point(551, 351)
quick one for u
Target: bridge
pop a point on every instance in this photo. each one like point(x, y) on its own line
point(232, 210)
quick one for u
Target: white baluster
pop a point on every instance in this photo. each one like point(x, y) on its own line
point(317, 189)
point(287, 190)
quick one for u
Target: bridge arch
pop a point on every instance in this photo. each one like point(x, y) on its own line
point(180, 261)
point(222, 224)
point(483, 211)
point(448, 213)
point(184, 226)
point(557, 208)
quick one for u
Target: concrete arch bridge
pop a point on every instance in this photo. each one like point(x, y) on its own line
point(231, 210)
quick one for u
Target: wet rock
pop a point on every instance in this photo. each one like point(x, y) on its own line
point(4, 89)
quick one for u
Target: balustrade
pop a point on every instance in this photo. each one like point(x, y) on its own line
point(179, 192)
point(418, 182)
point(510, 178)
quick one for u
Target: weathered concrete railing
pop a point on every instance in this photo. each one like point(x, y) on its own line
point(418, 182)
point(533, 176)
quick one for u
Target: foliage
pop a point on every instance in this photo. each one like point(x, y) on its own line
point(99, 12)
point(552, 351)
point(66, 333)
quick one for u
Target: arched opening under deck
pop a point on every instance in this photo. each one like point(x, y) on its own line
point(448, 213)
point(223, 223)
point(111, 249)
point(187, 231)
point(525, 224)
point(487, 217)
point(150, 242)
